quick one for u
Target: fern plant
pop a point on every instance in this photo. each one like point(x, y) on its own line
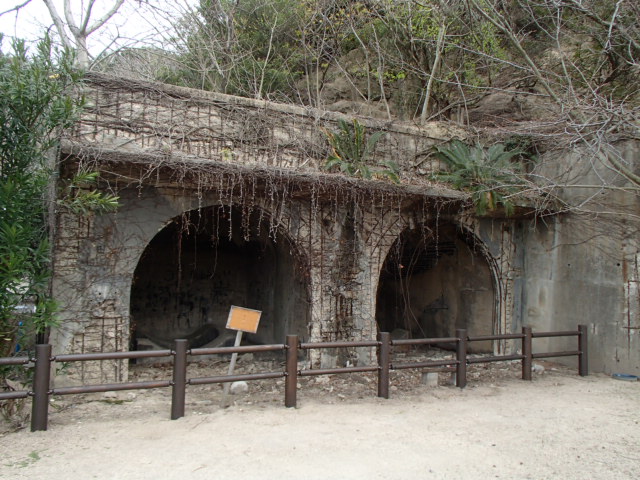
point(490, 175)
point(351, 150)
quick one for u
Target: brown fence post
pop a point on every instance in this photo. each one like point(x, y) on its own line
point(461, 356)
point(291, 380)
point(40, 404)
point(583, 357)
point(179, 383)
point(526, 353)
point(384, 361)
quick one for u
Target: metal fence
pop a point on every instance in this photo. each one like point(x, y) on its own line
point(43, 360)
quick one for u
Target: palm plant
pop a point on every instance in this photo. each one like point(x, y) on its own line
point(350, 151)
point(490, 175)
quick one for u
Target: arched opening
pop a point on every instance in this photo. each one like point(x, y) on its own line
point(434, 281)
point(203, 262)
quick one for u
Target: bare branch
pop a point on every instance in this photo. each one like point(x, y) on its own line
point(16, 8)
point(105, 18)
point(57, 21)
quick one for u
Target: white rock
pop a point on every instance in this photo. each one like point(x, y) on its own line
point(536, 368)
point(238, 388)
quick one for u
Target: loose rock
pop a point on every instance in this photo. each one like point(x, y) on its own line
point(238, 388)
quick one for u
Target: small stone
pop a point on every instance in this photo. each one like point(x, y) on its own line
point(110, 395)
point(238, 388)
point(537, 368)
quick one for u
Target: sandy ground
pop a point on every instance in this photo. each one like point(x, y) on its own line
point(559, 426)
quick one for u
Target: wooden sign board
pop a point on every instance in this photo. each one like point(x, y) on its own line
point(243, 319)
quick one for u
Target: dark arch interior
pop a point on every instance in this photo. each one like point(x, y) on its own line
point(204, 262)
point(433, 282)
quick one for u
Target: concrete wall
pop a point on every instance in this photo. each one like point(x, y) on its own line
point(168, 151)
point(582, 267)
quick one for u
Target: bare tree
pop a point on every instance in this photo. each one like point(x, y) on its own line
point(73, 33)
point(77, 21)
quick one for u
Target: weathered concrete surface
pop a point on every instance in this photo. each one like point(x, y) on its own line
point(582, 267)
point(324, 238)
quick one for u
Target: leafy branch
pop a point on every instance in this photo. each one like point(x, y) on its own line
point(80, 198)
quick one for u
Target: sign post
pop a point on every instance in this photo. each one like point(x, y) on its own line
point(243, 320)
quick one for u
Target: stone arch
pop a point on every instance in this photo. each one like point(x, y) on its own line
point(435, 279)
point(207, 259)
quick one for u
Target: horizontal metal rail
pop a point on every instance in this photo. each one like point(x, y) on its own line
point(330, 371)
point(234, 378)
point(87, 357)
point(43, 365)
point(14, 361)
point(345, 344)
point(423, 341)
point(111, 387)
point(438, 363)
point(14, 395)
point(556, 354)
point(506, 336)
point(498, 358)
point(240, 349)
point(568, 333)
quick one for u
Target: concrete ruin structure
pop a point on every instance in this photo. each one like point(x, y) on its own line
point(224, 201)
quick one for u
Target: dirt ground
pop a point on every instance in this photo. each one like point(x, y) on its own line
point(558, 426)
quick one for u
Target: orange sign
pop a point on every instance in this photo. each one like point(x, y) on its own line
point(243, 319)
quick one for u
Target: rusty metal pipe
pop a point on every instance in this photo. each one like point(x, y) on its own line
point(556, 354)
point(240, 349)
point(14, 395)
point(291, 380)
point(526, 353)
point(583, 347)
point(345, 344)
point(506, 336)
point(86, 357)
point(424, 341)
point(14, 361)
point(111, 387)
point(41, 380)
point(178, 385)
point(569, 333)
point(335, 371)
point(461, 357)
